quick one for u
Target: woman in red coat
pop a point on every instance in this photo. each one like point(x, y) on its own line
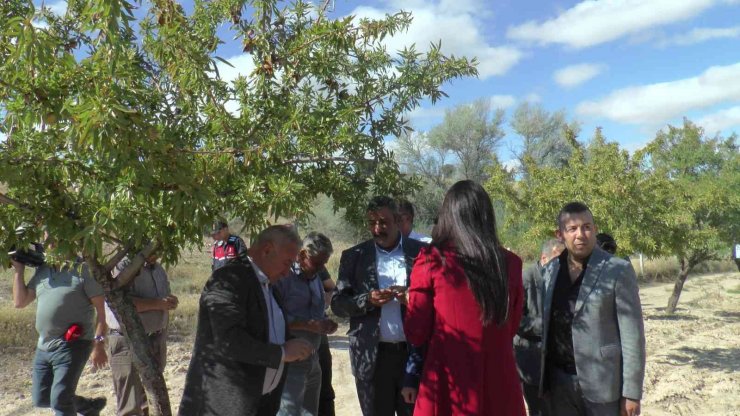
point(465, 303)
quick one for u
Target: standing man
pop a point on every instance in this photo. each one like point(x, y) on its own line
point(326, 396)
point(68, 300)
point(150, 294)
point(371, 291)
point(594, 355)
point(303, 295)
point(227, 247)
point(238, 361)
point(406, 212)
point(528, 339)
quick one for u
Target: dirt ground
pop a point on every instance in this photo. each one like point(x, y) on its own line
point(693, 364)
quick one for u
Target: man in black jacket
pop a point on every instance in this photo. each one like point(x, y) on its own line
point(528, 339)
point(240, 351)
point(371, 291)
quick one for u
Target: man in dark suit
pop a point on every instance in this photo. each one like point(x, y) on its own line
point(240, 351)
point(593, 360)
point(528, 339)
point(371, 291)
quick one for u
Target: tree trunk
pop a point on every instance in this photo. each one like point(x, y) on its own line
point(152, 376)
point(686, 267)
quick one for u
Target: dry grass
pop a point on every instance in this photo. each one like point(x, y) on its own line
point(189, 275)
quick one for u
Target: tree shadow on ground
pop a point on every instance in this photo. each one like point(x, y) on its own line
point(339, 342)
point(715, 359)
point(727, 314)
point(674, 317)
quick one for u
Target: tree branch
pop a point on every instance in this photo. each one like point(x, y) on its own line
point(4, 199)
point(300, 161)
point(117, 257)
point(128, 274)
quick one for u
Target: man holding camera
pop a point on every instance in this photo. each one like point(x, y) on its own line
point(68, 299)
point(371, 291)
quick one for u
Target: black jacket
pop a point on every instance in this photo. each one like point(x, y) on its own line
point(231, 350)
point(356, 278)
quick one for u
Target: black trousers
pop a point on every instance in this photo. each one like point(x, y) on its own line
point(535, 404)
point(381, 396)
point(565, 398)
point(326, 396)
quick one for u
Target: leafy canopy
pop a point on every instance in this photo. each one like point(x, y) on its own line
point(118, 129)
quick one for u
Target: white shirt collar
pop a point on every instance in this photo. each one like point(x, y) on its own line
point(396, 248)
point(261, 276)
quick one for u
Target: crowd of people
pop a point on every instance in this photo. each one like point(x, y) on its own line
point(442, 325)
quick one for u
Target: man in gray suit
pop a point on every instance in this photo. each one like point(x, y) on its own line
point(593, 360)
point(528, 339)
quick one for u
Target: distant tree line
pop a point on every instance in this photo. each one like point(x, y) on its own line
point(679, 195)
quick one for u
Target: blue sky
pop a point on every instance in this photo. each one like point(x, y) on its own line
point(630, 66)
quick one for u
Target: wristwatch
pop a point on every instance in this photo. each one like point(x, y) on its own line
point(99, 338)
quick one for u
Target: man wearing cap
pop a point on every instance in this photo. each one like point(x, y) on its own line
point(227, 247)
point(150, 293)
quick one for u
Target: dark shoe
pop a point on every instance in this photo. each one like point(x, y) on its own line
point(89, 407)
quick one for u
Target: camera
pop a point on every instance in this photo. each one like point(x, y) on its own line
point(32, 256)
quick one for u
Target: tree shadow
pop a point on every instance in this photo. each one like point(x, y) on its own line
point(338, 342)
point(727, 314)
point(715, 359)
point(674, 317)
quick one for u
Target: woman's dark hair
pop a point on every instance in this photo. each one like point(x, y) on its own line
point(467, 222)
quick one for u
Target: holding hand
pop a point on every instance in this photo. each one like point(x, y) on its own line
point(322, 326)
point(170, 302)
point(409, 394)
point(297, 349)
point(380, 297)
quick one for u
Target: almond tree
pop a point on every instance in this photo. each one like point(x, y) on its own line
point(119, 137)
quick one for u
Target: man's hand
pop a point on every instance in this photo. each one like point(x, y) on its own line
point(629, 407)
point(320, 326)
point(18, 266)
point(297, 349)
point(170, 302)
point(381, 297)
point(98, 357)
point(409, 394)
point(328, 326)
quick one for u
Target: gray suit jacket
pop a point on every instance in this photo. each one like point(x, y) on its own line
point(608, 332)
point(528, 338)
point(357, 276)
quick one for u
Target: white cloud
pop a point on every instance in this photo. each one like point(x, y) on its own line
point(420, 114)
point(660, 102)
point(511, 165)
point(241, 65)
point(702, 34)
point(592, 22)
point(573, 75)
point(532, 98)
point(502, 101)
point(722, 120)
point(456, 23)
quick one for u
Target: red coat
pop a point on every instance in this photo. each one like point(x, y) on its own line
point(469, 369)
